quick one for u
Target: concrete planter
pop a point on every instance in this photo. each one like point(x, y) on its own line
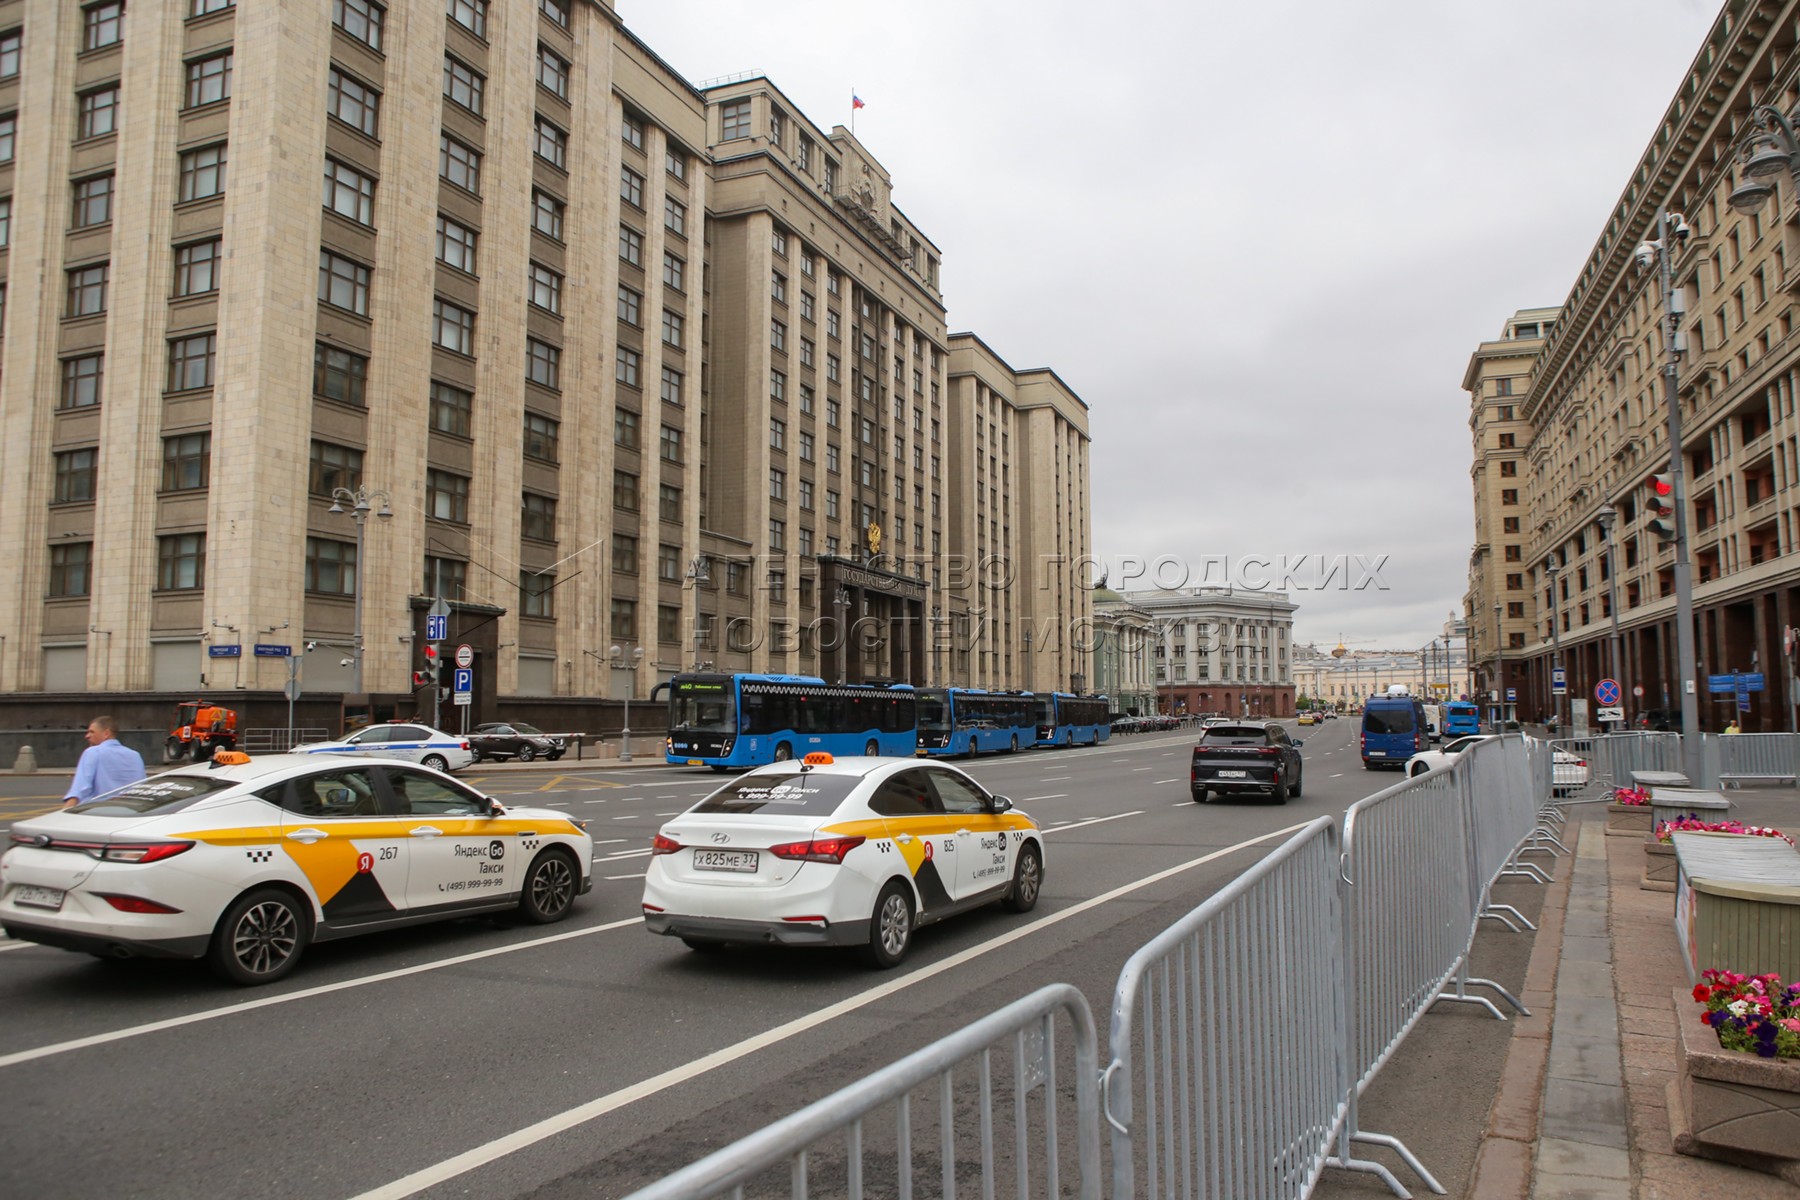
point(1628, 820)
point(1733, 1105)
point(1659, 867)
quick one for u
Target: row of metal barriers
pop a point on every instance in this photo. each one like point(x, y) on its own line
point(1725, 760)
point(1240, 1039)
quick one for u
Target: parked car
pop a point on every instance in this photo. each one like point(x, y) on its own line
point(1246, 756)
point(1569, 773)
point(515, 739)
point(400, 739)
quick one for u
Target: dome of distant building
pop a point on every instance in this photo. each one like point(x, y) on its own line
point(1105, 595)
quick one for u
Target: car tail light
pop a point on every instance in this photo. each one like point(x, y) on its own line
point(652, 908)
point(142, 852)
point(1269, 751)
point(465, 745)
point(805, 920)
point(135, 904)
point(662, 845)
point(825, 849)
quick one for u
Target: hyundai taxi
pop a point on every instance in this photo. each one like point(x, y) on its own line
point(854, 852)
point(245, 862)
point(401, 739)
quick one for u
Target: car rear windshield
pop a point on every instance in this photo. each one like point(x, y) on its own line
point(781, 794)
point(1388, 720)
point(1233, 735)
point(154, 797)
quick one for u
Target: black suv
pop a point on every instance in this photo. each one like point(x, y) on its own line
point(515, 739)
point(1246, 756)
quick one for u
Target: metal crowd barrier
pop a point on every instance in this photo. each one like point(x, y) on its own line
point(279, 741)
point(1748, 757)
point(1034, 1163)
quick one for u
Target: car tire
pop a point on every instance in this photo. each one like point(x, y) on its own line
point(872, 750)
point(1015, 744)
point(783, 752)
point(1294, 788)
point(526, 753)
point(173, 750)
point(548, 893)
point(1199, 795)
point(202, 750)
point(260, 938)
point(1028, 880)
point(436, 762)
point(474, 756)
point(554, 755)
point(890, 927)
point(1280, 793)
point(718, 769)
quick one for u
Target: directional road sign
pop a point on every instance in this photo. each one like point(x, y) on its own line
point(437, 626)
point(1559, 682)
point(1607, 693)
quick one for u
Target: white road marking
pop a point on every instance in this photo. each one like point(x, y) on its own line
point(639, 875)
point(1140, 768)
point(12, 945)
point(593, 802)
point(609, 841)
point(1136, 812)
point(1055, 778)
point(673, 814)
point(628, 816)
point(1339, 775)
point(1177, 779)
point(1051, 796)
point(561, 1122)
point(627, 854)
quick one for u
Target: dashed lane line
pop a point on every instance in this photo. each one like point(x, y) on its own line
point(1051, 796)
point(1136, 812)
point(1177, 779)
point(639, 875)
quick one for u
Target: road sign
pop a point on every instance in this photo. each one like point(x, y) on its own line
point(437, 626)
point(1604, 713)
point(292, 689)
point(465, 655)
point(462, 683)
point(224, 652)
point(1512, 694)
point(1607, 693)
point(1750, 681)
point(1637, 689)
point(1559, 682)
point(265, 650)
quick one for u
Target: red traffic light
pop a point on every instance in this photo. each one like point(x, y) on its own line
point(431, 653)
point(1662, 485)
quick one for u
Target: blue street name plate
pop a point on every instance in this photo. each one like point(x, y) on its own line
point(224, 651)
point(265, 650)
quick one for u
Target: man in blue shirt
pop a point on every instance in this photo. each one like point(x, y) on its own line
point(106, 765)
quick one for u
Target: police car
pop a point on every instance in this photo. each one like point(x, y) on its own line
point(857, 852)
point(416, 743)
point(245, 862)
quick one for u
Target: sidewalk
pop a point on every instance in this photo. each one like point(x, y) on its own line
point(1582, 1109)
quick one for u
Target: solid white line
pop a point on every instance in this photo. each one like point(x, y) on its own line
point(1136, 812)
point(549, 1127)
point(626, 854)
point(116, 1035)
point(609, 841)
point(639, 875)
point(1177, 779)
point(1051, 796)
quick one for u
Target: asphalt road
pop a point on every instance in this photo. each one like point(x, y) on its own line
point(488, 1058)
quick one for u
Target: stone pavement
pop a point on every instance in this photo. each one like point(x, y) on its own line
point(1582, 1109)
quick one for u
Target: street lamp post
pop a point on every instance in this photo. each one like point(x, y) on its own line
point(360, 507)
point(1499, 671)
point(1607, 515)
point(619, 658)
point(1553, 567)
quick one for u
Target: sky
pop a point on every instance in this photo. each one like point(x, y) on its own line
point(1260, 240)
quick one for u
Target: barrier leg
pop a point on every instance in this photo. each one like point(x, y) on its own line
point(1460, 995)
point(1488, 914)
point(1345, 1162)
point(1497, 911)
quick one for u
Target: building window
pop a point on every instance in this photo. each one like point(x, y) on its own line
point(672, 327)
point(450, 409)
point(456, 245)
point(537, 594)
point(553, 72)
point(459, 164)
point(625, 367)
point(625, 428)
point(671, 444)
point(831, 505)
point(806, 495)
point(631, 187)
point(187, 462)
point(446, 577)
point(202, 172)
point(93, 201)
point(777, 433)
point(1514, 554)
point(806, 446)
point(330, 567)
point(1509, 496)
point(631, 245)
point(806, 301)
point(668, 563)
point(552, 144)
point(180, 561)
point(831, 324)
point(453, 327)
point(353, 102)
point(463, 84)
point(70, 569)
point(624, 553)
point(806, 352)
point(343, 283)
point(349, 193)
point(361, 19)
point(1507, 441)
point(74, 476)
point(546, 288)
point(87, 290)
point(209, 80)
point(671, 386)
point(537, 517)
point(102, 24)
point(625, 491)
point(541, 437)
point(675, 163)
point(332, 467)
point(631, 129)
point(543, 364)
point(447, 496)
point(470, 14)
point(668, 503)
point(777, 336)
point(547, 215)
point(777, 538)
point(778, 287)
point(831, 180)
point(556, 10)
point(98, 112)
point(674, 271)
point(832, 459)
point(339, 375)
point(630, 306)
point(674, 216)
point(778, 243)
point(81, 378)
point(11, 43)
point(777, 484)
point(1509, 525)
point(191, 362)
point(1509, 468)
point(1515, 583)
point(668, 623)
point(735, 117)
point(9, 132)
point(623, 622)
point(831, 367)
point(833, 413)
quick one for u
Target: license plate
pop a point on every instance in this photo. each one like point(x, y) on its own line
point(696, 762)
point(1377, 754)
point(725, 860)
point(1232, 774)
point(38, 897)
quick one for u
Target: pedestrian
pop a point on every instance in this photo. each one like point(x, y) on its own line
point(106, 765)
point(1733, 728)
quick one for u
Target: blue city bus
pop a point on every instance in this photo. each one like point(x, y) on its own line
point(726, 721)
point(955, 722)
point(1461, 718)
point(1067, 720)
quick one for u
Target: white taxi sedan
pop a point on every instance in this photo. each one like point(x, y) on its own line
point(858, 852)
point(415, 743)
point(1427, 760)
point(245, 862)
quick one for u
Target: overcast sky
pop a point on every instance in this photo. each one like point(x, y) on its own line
point(1260, 240)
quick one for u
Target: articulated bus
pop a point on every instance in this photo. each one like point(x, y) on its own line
point(954, 722)
point(727, 721)
point(1066, 720)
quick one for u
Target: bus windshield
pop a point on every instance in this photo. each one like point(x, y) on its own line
point(933, 711)
point(702, 706)
point(1046, 711)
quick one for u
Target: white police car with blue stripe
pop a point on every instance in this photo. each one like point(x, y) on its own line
point(404, 740)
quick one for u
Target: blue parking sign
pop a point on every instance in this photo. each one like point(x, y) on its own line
point(463, 680)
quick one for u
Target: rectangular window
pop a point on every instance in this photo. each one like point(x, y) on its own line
point(777, 484)
point(777, 124)
point(187, 462)
point(74, 476)
point(631, 187)
point(557, 11)
point(543, 364)
point(631, 245)
point(668, 503)
point(672, 328)
point(833, 459)
point(87, 290)
point(349, 193)
point(674, 216)
point(70, 569)
point(833, 413)
point(631, 306)
point(806, 149)
point(191, 362)
point(102, 24)
point(625, 491)
point(361, 19)
point(624, 553)
point(777, 335)
point(11, 43)
point(446, 577)
point(98, 112)
point(339, 374)
point(537, 517)
point(459, 164)
point(343, 283)
point(202, 172)
point(668, 623)
point(671, 386)
point(201, 8)
point(209, 80)
point(668, 563)
point(552, 72)
point(806, 301)
point(671, 444)
point(180, 561)
point(623, 622)
point(1509, 496)
point(674, 271)
point(735, 118)
point(831, 505)
point(332, 467)
point(81, 377)
point(463, 84)
point(541, 437)
point(625, 428)
point(9, 132)
point(470, 14)
point(831, 367)
point(330, 567)
point(806, 352)
point(831, 324)
point(777, 433)
point(551, 144)
point(93, 201)
point(450, 409)
point(456, 245)
point(353, 102)
point(777, 538)
point(778, 287)
point(778, 243)
point(806, 495)
point(447, 496)
point(631, 129)
point(546, 288)
point(626, 366)
point(537, 594)
point(453, 327)
point(547, 215)
point(806, 447)
point(675, 163)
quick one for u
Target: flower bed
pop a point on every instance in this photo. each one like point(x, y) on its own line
point(1628, 813)
point(1753, 1013)
point(1666, 830)
point(1631, 796)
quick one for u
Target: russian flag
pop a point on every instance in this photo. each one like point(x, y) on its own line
point(856, 102)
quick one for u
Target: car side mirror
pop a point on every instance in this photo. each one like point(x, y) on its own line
point(1002, 804)
point(1298, 742)
point(495, 808)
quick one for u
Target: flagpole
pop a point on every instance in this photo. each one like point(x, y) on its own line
point(853, 108)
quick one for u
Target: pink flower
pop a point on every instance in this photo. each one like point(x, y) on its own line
point(1790, 1024)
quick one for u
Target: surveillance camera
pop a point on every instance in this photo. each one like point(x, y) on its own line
point(345, 662)
point(1682, 229)
point(311, 646)
point(1646, 255)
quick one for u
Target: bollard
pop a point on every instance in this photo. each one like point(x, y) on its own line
point(26, 763)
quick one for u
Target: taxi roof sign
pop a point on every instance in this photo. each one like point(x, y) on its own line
point(229, 758)
point(818, 758)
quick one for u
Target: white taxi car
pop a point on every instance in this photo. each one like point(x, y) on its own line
point(401, 739)
point(857, 852)
point(244, 862)
point(1427, 760)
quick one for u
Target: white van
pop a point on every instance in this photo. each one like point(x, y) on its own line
point(1434, 722)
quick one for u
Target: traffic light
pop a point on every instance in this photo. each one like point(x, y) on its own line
point(1660, 504)
point(434, 666)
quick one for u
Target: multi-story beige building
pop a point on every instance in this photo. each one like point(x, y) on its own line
point(612, 361)
point(1596, 414)
point(1222, 651)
